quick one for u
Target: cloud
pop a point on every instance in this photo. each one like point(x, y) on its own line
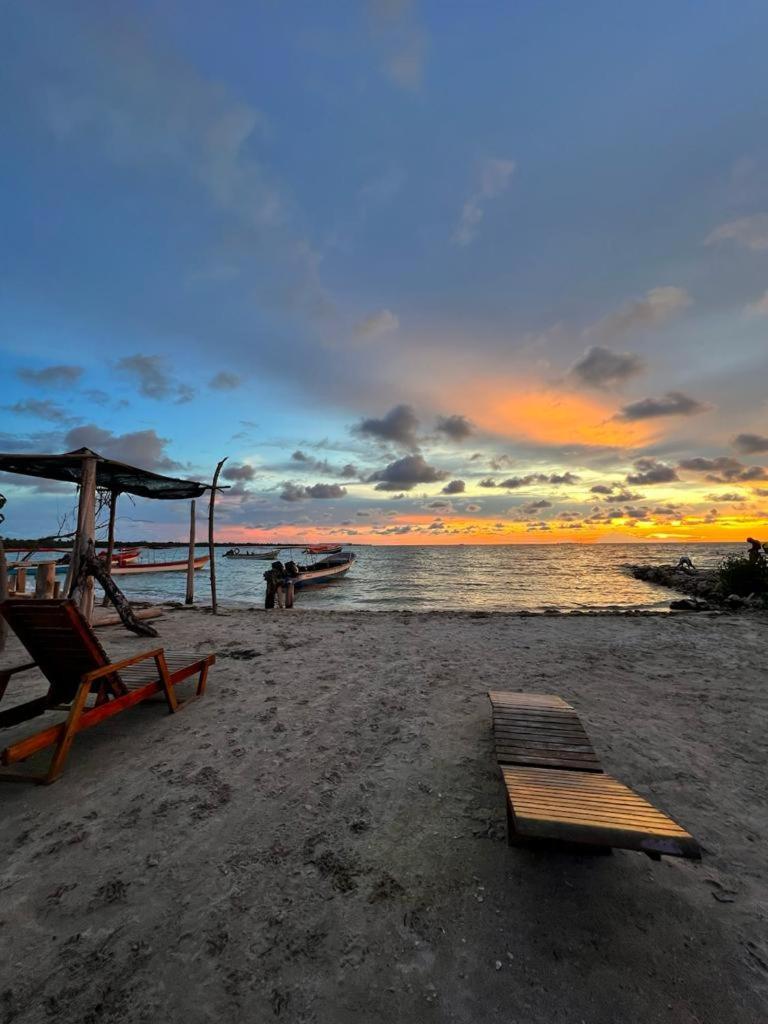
point(403, 40)
point(373, 326)
point(563, 478)
point(750, 232)
point(494, 180)
point(456, 427)
point(244, 472)
point(724, 469)
point(760, 306)
point(143, 448)
point(599, 367)
point(488, 482)
point(622, 496)
point(602, 488)
point(291, 491)
point(657, 306)
point(749, 444)
point(513, 483)
point(42, 409)
point(673, 403)
point(399, 426)
point(454, 487)
point(535, 506)
point(649, 471)
point(311, 464)
point(225, 381)
point(730, 496)
point(152, 379)
point(60, 376)
point(405, 474)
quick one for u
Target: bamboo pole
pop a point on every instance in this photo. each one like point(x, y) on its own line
point(86, 523)
point(211, 548)
point(3, 593)
point(190, 598)
point(110, 539)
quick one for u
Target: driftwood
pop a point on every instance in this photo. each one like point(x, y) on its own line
point(93, 566)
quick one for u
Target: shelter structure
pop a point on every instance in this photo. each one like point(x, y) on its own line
point(91, 471)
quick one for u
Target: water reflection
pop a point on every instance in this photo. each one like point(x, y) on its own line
point(499, 578)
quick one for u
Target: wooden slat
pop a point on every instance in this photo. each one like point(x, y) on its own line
point(583, 807)
point(540, 730)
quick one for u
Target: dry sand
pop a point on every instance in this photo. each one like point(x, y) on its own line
point(322, 837)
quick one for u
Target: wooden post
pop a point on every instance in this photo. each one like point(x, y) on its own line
point(86, 523)
point(3, 593)
point(110, 539)
point(189, 599)
point(211, 548)
point(21, 580)
point(46, 575)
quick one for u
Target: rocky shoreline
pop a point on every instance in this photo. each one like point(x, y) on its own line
point(702, 587)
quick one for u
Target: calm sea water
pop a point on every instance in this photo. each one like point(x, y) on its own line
point(499, 578)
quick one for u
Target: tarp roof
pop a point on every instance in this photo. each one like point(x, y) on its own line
point(116, 476)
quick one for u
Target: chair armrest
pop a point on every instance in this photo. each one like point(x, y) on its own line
point(8, 672)
point(115, 666)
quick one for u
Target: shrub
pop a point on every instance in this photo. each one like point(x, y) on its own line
point(737, 575)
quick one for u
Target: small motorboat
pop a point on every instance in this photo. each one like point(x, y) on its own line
point(323, 549)
point(262, 556)
point(334, 566)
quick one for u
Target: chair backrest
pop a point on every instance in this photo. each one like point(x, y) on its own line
point(58, 638)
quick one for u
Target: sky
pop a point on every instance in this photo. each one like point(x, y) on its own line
point(424, 272)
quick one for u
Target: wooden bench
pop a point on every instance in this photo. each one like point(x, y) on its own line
point(66, 650)
point(557, 791)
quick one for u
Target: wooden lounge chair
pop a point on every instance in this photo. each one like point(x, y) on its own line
point(66, 650)
point(556, 789)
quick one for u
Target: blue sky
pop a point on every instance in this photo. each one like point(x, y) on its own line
point(350, 207)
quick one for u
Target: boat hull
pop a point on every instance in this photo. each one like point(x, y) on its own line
point(135, 569)
point(322, 573)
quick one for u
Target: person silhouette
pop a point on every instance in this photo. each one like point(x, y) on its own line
point(755, 549)
point(685, 563)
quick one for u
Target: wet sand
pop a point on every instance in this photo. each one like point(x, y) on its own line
point(321, 838)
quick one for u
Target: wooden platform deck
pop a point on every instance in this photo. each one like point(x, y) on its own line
point(596, 810)
point(556, 788)
point(540, 730)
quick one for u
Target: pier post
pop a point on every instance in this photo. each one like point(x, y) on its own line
point(189, 599)
point(44, 580)
point(211, 546)
point(110, 539)
point(3, 592)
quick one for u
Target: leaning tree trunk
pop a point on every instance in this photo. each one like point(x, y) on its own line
point(92, 565)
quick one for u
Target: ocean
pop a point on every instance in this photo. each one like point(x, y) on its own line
point(509, 577)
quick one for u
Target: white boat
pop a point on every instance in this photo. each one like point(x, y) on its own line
point(262, 556)
point(332, 567)
point(133, 568)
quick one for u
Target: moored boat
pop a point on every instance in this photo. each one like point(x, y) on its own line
point(323, 549)
point(333, 567)
point(268, 556)
point(134, 568)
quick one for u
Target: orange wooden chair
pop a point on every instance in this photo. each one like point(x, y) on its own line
point(66, 650)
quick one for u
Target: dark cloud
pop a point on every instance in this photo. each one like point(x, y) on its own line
point(398, 426)
point(488, 482)
point(60, 376)
point(750, 444)
point(724, 469)
point(42, 409)
point(602, 488)
point(153, 381)
point(244, 472)
point(348, 471)
point(139, 448)
point(622, 496)
point(513, 483)
point(406, 473)
point(730, 496)
point(599, 367)
point(454, 487)
point(456, 427)
point(649, 471)
point(225, 381)
point(291, 491)
point(563, 478)
point(535, 506)
point(673, 403)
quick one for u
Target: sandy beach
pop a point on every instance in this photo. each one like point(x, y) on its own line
point(322, 837)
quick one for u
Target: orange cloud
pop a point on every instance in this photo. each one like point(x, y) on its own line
point(544, 415)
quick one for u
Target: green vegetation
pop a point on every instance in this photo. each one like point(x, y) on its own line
point(739, 575)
